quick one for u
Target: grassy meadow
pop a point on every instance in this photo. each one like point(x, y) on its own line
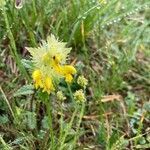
point(106, 106)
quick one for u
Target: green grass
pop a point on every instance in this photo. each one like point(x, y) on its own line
point(110, 47)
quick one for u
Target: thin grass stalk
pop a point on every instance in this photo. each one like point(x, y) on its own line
point(34, 7)
point(13, 45)
point(28, 27)
point(68, 129)
point(78, 125)
point(61, 124)
point(6, 100)
point(6, 146)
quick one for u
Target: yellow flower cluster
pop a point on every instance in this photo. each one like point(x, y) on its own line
point(79, 96)
point(50, 64)
point(82, 81)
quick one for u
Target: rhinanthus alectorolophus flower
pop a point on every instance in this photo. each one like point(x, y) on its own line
point(79, 96)
point(82, 81)
point(50, 66)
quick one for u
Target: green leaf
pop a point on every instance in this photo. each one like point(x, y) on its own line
point(147, 106)
point(45, 122)
point(31, 120)
point(27, 63)
point(24, 90)
point(3, 119)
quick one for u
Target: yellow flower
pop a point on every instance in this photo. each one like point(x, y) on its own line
point(48, 52)
point(56, 60)
point(37, 78)
point(50, 59)
point(41, 82)
point(48, 85)
point(67, 72)
point(68, 78)
point(82, 81)
point(68, 69)
point(79, 96)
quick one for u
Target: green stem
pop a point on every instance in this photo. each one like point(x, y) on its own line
point(70, 92)
point(34, 8)
point(67, 129)
point(9, 106)
point(49, 113)
point(61, 124)
point(5, 145)
point(13, 46)
point(79, 123)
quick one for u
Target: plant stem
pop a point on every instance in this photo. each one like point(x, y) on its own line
point(34, 8)
point(49, 113)
point(79, 123)
point(9, 106)
point(67, 129)
point(6, 146)
point(61, 124)
point(70, 92)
